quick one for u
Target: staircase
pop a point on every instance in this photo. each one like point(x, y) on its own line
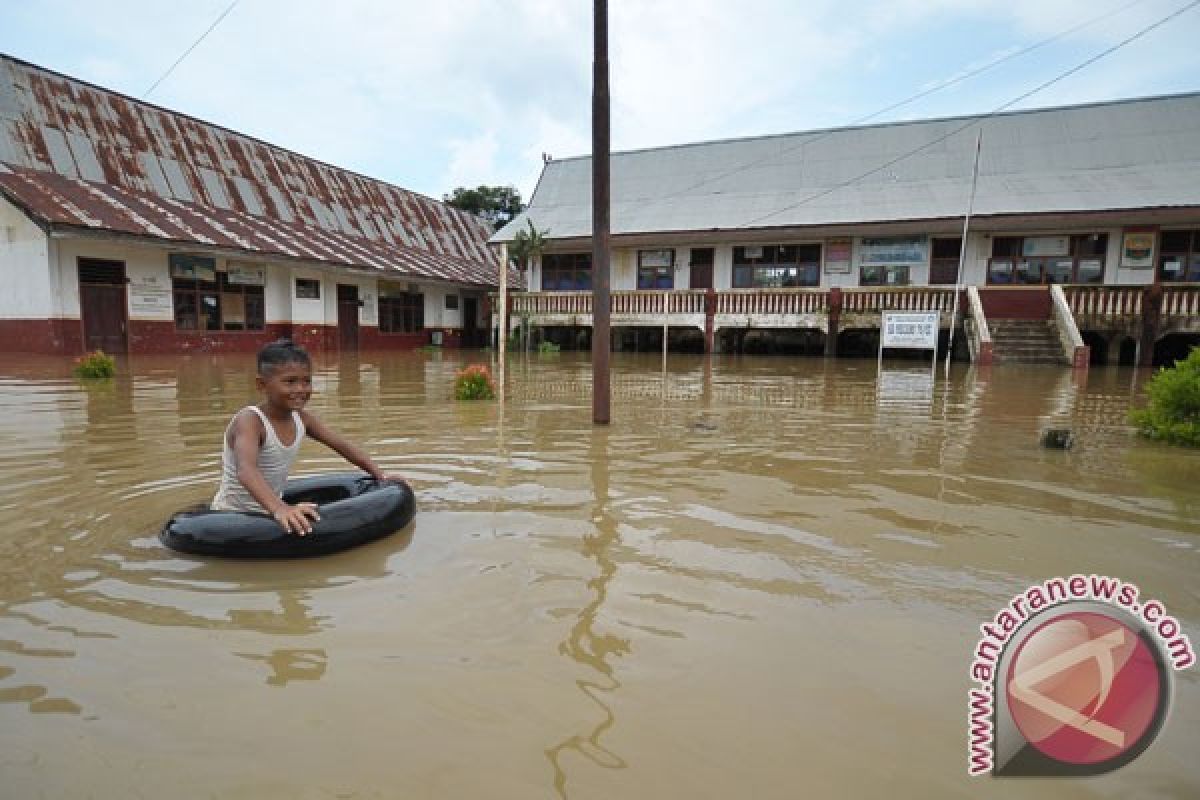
point(1025, 341)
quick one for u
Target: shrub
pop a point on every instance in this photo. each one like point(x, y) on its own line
point(474, 383)
point(1173, 413)
point(548, 347)
point(95, 365)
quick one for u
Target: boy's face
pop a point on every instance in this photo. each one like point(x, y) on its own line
point(288, 386)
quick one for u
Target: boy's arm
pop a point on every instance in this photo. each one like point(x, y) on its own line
point(345, 448)
point(247, 437)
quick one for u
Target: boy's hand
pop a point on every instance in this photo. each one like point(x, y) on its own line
point(296, 519)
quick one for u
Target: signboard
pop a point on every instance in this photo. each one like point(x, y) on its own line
point(192, 268)
point(1033, 246)
point(150, 296)
point(838, 256)
point(752, 252)
point(911, 330)
point(656, 258)
point(247, 274)
point(893, 250)
point(1137, 248)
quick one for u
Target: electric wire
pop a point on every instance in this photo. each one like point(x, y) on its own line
point(911, 98)
point(977, 120)
point(187, 52)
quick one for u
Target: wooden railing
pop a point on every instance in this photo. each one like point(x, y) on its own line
point(1181, 301)
point(1104, 301)
point(650, 302)
point(772, 301)
point(914, 298)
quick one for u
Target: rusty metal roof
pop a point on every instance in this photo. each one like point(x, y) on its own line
point(76, 156)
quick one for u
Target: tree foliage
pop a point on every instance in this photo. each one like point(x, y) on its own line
point(527, 244)
point(497, 204)
point(1173, 413)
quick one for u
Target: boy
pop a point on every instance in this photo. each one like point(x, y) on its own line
point(262, 441)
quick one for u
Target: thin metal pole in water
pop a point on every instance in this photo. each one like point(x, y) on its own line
point(601, 343)
point(502, 311)
point(962, 249)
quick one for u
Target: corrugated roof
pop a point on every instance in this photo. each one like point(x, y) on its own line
point(1130, 154)
point(75, 155)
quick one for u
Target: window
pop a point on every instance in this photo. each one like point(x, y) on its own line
point(217, 305)
point(1179, 256)
point(566, 271)
point(400, 311)
point(1034, 260)
point(776, 266)
point(656, 269)
point(308, 289)
point(879, 275)
point(452, 302)
point(943, 261)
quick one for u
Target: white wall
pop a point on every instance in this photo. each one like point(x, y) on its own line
point(24, 274)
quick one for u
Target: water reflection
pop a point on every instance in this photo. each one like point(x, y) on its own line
point(587, 643)
point(741, 512)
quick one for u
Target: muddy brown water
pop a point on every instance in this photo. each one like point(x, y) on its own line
point(764, 579)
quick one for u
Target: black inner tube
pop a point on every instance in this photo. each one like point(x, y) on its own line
point(354, 509)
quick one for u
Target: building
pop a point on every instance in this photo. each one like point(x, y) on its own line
point(1090, 211)
point(133, 228)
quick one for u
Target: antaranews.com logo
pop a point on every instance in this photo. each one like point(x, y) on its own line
point(1073, 677)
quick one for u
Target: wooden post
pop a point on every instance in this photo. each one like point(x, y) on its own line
point(835, 313)
point(1152, 301)
point(601, 336)
point(710, 311)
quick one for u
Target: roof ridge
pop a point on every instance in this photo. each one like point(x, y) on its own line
point(893, 123)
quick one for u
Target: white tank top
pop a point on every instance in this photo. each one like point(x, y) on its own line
point(274, 461)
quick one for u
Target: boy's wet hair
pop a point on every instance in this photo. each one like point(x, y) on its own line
point(280, 353)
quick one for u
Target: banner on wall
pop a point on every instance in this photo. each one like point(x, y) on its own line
point(247, 274)
point(1033, 246)
point(1137, 248)
point(192, 268)
point(890, 250)
point(837, 256)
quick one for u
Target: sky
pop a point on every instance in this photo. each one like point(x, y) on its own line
point(431, 96)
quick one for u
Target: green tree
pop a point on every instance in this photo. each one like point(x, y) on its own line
point(497, 204)
point(526, 246)
point(1173, 413)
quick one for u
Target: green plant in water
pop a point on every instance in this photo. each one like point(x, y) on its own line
point(548, 347)
point(95, 365)
point(474, 383)
point(1173, 413)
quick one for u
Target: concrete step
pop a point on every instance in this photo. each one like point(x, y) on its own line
point(1025, 342)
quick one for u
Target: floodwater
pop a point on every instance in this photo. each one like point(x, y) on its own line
point(764, 579)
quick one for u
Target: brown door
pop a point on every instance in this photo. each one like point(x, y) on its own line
point(102, 305)
point(702, 268)
point(348, 316)
point(470, 315)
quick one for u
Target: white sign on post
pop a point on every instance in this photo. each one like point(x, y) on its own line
point(912, 330)
point(909, 330)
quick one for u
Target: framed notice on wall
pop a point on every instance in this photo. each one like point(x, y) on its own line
point(1137, 248)
point(837, 256)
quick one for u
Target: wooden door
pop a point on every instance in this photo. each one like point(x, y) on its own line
point(347, 297)
point(702, 268)
point(102, 305)
point(470, 315)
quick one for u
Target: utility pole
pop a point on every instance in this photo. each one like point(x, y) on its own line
point(601, 340)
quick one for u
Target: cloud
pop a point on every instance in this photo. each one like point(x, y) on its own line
point(429, 96)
